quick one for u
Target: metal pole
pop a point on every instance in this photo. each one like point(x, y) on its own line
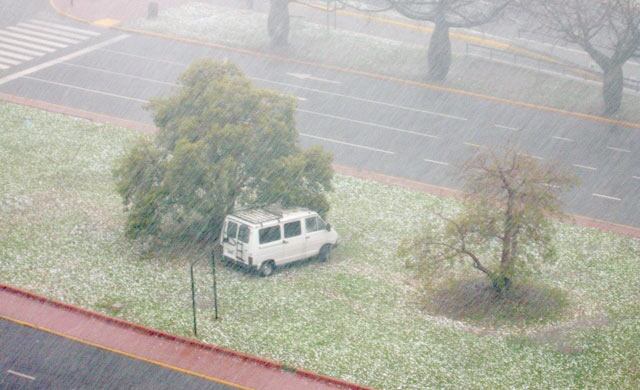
point(193, 302)
point(215, 290)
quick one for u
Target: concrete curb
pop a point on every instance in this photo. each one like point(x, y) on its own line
point(183, 340)
point(419, 84)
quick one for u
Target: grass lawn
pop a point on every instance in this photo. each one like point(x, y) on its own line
point(358, 317)
point(309, 41)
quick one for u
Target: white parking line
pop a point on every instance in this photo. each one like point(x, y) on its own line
point(25, 44)
point(14, 55)
point(585, 167)
point(43, 35)
point(53, 31)
point(25, 376)
point(436, 162)
point(335, 141)
point(562, 138)
point(35, 40)
point(342, 118)
point(66, 28)
point(120, 74)
point(362, 99)
point(62, 59)
point(618, 149)
point(506, 127)
point(21, 50)
point(85, 89)
point(606, 197)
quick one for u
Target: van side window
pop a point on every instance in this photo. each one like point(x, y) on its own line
point(270, 234)
point(243, 233)
point(310, 224)
point(232, 229)
point(292, 229)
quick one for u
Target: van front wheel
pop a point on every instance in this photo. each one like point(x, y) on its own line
point(267, 268)
point(325, 253)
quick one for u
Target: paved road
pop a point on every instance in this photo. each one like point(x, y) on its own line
point(395, 128)
point(32, 359)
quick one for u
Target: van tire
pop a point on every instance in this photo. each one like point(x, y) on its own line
point(267, 268)
point(325, 253)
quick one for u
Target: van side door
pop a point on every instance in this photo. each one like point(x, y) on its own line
point(294, 242)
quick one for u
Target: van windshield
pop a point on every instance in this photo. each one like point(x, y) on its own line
point(243, 234)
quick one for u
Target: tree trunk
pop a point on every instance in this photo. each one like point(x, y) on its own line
point(278, 23)
point(612, 86)
point(439, 52)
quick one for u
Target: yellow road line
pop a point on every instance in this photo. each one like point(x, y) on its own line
point(129, 355)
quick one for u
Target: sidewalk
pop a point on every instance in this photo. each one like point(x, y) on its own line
point(181, 354)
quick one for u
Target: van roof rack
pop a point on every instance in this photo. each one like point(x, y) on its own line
point(265, 214)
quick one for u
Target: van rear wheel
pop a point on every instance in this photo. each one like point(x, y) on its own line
point(267, 268)
point(325, 253)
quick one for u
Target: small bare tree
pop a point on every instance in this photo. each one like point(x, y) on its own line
point(504, 228)
point(608, 30)
point(444, 14)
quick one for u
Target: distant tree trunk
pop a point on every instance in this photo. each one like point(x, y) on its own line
point(439, 52)
point(278, 23)
point(612, 87)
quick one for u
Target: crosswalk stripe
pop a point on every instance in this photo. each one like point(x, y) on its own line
point(53, 31)
point(14, 55)
point(43, 35)
point(3, 66)
point(66, 28)
point(9, 61)
point(36, 40)
point(25, 44)
point(21, 50)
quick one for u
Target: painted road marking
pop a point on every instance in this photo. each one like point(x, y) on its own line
point(435, 113)
point(342, 118)
point(585, 167)
point(304, 76)
point(25, 376)
point(35, 40)
point(86, 89)
point(25, 44)
point(507, 127)
point(618, 149)
point(436, 162)
point(62, 59)
point(14, 55)
point(53, 31)
point(42, 35)
point(120, 74)
point(4, 66)
point(124, 53)
point(65, 28)
point(606, 197)
point(335, 141)
point(562, 138)
point(21, 50)
point(9, 61)
point(636, 177)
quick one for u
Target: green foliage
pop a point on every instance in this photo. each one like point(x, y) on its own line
point(503, 229)
point(222, 143)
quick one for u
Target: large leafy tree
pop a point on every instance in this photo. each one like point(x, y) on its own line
point(444, 14)
point(221, 143)
point(608, 30)
point(503, 229)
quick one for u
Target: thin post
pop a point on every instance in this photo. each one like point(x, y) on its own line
point(215, 289)
point(193, 302)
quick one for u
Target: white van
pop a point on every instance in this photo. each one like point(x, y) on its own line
point(268, 237)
